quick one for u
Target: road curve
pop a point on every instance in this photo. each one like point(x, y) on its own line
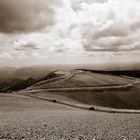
point(88, 107)
point(82, 106)
point(98, 88)
point(54, 80)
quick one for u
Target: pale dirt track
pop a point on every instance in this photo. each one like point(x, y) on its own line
point(32, 119)
point(90, 88)
point(98, 88)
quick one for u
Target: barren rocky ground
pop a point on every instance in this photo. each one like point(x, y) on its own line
point(25, 118)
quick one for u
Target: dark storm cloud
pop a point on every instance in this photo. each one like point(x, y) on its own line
point(26, 15)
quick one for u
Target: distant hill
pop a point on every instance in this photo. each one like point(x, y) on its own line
point(83, 78)
point(131, 73)
point(13, 79)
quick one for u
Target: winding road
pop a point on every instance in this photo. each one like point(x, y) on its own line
point(82, 106)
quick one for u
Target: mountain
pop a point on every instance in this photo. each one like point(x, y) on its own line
point(13, 79)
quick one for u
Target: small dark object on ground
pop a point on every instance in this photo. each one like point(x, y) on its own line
point(92, 108)
point(54, 101)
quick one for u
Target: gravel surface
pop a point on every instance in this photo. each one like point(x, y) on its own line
point(63, 123)
point(68, 125)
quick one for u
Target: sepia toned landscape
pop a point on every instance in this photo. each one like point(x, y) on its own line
point(69, 70)
point(47, 103)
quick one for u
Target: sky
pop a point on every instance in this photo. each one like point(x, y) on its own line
point(69, 32)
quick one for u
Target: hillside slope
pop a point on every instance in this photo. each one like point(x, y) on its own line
point(13, 79)
point(84, 79)
point(85, 87)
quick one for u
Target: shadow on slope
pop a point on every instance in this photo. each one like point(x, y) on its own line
point(123, 99)
point(14, 80)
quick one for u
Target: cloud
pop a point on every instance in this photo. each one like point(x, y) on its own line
point(108, 26)
point(5, 55)
point(81, 28)
point(26, 15)
point(103, 25)
point(26, 47)
point(135, 25)
point(76, 4)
